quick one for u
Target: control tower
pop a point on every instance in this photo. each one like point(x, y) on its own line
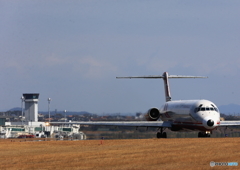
point(31, 106)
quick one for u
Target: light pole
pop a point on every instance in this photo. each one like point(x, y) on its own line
point(65, 114)
point(49, 99)
point(22, 98)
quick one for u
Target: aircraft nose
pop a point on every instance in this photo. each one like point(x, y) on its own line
point(210, 122)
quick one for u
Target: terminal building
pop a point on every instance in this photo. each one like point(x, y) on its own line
point(31, 126)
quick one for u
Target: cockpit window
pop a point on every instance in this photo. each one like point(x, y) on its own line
point(215, 108)
point(200, 108)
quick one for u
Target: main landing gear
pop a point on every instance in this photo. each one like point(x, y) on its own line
point(161, 134)
point(204, 134)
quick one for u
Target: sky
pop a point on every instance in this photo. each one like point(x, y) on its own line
point(72, 51)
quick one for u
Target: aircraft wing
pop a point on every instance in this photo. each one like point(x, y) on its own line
point(229, 123)
point(121, 123)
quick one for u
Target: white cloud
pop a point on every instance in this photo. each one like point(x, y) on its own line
point(88, 66)
point(54, 60)
point(91, 67)
point(157, 64)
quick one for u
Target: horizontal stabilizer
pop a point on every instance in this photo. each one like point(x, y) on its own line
point(159, 77)
point(180, 76)
point(144, 77)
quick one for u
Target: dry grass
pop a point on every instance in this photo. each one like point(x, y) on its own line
point(188, 153)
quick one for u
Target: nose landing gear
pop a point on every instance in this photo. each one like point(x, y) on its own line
point(204, 134)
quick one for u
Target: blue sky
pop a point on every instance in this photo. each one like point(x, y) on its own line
point(71, 51)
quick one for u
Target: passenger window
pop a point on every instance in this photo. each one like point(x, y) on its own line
point(203, 109)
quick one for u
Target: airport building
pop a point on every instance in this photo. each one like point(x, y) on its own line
point(31, 107)
point(31, 126)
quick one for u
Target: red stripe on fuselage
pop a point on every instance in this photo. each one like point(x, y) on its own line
point(177, 122)
point(190, 125)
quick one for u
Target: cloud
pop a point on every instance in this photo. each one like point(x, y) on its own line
point(157, 64)
point(87, 66)
point(91, 67)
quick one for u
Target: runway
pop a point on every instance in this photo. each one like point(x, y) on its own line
point(182, 153)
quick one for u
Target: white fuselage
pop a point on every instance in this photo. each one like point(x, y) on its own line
point(191, 114)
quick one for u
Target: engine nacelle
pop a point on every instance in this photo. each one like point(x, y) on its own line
point(153, 114)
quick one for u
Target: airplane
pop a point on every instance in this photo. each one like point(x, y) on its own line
point(180, 115)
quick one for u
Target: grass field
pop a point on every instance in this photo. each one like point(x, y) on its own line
point(184, 153)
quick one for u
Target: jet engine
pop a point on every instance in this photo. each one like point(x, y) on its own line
point(153, 114)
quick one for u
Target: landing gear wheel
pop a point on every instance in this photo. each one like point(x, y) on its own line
point(164, 135)
point(203, 135)
point(159, 135)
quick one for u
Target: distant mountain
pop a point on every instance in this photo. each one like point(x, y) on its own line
point(85, 112)
point(67, 113)
point(229, 109)
point(15, 109)
point(74, 112)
